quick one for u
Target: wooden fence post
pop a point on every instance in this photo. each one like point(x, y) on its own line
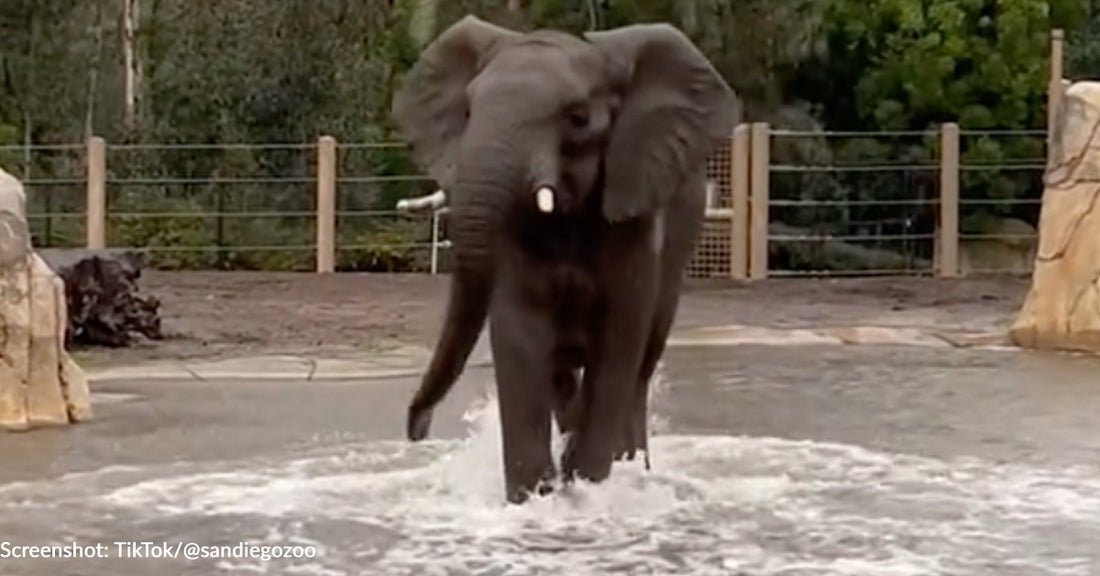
point(326, 205)
point(949, 201)
point(1055, 89)
point(739, 202)
point(95, 225)
point(761, 166)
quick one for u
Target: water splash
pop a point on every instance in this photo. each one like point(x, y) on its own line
point(713, 505)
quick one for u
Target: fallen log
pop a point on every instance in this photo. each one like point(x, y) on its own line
point(105, 305)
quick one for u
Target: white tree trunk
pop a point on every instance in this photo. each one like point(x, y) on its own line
point(93, 72)
point(130, 19)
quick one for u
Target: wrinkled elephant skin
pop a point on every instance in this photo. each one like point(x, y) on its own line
point(574, 172)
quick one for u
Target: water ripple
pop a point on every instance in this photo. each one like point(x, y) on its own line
point(712, 505)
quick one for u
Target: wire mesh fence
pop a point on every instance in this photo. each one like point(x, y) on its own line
point(839, 203)
point(712, 252)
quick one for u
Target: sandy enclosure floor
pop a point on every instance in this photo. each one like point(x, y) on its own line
point(217, 314)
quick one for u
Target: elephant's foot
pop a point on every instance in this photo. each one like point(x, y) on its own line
point(628, 447)
point(634, 438)
point(580, 460)
point(629, 454)
point(521, 483)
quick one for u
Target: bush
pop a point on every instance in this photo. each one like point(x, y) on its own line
point(398, 246)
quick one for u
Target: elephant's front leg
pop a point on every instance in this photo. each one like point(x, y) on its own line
point(521, 337)
point(610, 386)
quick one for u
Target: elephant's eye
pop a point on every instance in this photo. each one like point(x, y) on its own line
point(578, 117)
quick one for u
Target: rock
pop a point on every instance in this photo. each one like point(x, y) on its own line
point(105, 305)
point(1008, 248)
point(40, 384)
point(1062, 308)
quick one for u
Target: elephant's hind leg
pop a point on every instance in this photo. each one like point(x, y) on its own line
point(636, 435)
point(566, 399)
point(688, 211)
point(629, 273)
point(521, 341)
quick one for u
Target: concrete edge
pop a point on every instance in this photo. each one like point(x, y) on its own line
point(868, 335)
point(309, 369)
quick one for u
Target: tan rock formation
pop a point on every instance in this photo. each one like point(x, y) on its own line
point(40, 384)
point(1062, 309)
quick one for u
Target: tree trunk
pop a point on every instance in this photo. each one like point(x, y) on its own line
point(29, 93)
point(93, 73)
point(129, 23)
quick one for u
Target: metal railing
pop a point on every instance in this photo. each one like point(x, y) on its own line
point(780, 203)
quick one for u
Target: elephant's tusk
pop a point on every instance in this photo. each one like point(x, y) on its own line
point(545, 199)
point(434, 201)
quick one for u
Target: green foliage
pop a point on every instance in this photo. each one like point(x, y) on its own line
point(288, 72)
point(394, 246)
point(422, 20)
point(1083, 47)
point(913, 65)
point(932, 61)
point(8, 134)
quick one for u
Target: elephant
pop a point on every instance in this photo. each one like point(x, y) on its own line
point(573, 168)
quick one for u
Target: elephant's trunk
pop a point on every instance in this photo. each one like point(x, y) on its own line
point(479, 202)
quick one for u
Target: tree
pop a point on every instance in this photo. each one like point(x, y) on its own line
point(915, 64)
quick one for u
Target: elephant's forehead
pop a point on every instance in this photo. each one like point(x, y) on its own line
point(540, 60)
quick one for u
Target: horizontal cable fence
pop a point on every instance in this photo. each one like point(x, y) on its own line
point(1001, 186)
point(371, 235)
point(55, 180)
point(218, 206)
point(779, 203)
point(844, 203)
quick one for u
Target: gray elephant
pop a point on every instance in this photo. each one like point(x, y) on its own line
point(574, 171)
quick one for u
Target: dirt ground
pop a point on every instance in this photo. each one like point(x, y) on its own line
point(218, 314)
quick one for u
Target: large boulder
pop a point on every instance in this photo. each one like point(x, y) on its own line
point(1062, 308)
point(40, 384)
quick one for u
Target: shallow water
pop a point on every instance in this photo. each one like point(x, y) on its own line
point(733, 501)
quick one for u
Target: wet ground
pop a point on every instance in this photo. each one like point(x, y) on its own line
point(787, 460)
point(232, 313)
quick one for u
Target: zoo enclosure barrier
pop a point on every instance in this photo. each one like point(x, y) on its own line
point(758, 223)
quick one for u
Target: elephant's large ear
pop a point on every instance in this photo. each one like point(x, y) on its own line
point(675, 110)
point(430, 105)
